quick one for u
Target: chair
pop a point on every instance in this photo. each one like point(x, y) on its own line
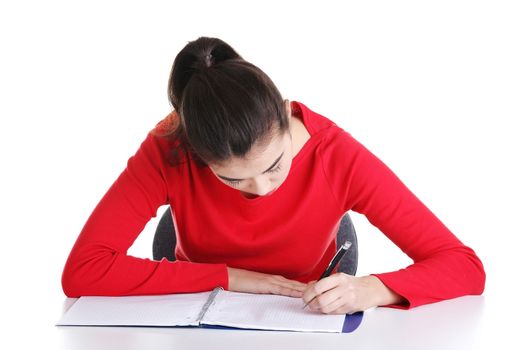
point(164, 241)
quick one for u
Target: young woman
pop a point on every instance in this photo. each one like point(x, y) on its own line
point(257, 186)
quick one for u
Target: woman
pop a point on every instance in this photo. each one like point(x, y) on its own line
point(257, 185)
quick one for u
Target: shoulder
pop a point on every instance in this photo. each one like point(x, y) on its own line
point(167, 125)
point(313, 121)
point(168, 139)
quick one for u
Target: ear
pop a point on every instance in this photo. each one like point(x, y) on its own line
point(288, 109)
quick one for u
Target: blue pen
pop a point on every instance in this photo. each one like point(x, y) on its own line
point(333, 263)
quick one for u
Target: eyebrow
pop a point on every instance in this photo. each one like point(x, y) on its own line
point(270, 168)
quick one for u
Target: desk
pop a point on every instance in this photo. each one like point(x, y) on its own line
point(460, 323)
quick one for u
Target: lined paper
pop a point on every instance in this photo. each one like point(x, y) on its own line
point(149, 310)
point(270, 312)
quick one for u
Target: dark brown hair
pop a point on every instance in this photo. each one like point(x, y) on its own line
point(223, 104)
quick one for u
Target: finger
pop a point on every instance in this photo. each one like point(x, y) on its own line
point(334, 307)
point(284, 287)
point(319, 303)
point(324, 301)
point(287, 291)
point(344, 304)
point(332, 300)
point(296, 285)
point(312, 301)
point(309, 295)
point(328, 283)
point(309, 303)
point(317, 288)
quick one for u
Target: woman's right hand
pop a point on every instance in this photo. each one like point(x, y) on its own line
point(260, 283)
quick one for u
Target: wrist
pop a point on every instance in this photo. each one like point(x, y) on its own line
point(382, 295)
point(231, 276)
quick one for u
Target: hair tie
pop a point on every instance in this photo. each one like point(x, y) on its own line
point(208, 60)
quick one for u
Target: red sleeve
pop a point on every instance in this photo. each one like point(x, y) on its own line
point(98, 263)
point(443, 267)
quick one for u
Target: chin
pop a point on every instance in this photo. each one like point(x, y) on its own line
point(253, 195)
point(272, 191)
point(269, 193)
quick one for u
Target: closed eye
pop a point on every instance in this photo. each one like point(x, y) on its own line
point(273, 166)
point(274, 170)
point(234, 183)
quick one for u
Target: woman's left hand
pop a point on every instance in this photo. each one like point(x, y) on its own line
point(341, 293)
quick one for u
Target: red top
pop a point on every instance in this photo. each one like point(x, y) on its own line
point(291, 232)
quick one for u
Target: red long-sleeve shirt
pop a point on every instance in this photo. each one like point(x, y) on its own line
point(292, 232)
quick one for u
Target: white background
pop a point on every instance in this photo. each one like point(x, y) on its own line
point(434, 88)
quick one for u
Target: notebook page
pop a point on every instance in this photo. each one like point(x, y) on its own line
point(149, 310)
point(270, 312)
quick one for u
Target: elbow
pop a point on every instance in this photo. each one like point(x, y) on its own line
point(479, 285)
point(86, 270)
point(475, 274)
point(73, 283)
point(69, 285)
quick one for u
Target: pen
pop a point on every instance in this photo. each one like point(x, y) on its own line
point(333, 263)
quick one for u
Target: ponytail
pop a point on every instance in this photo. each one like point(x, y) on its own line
point(223, 104)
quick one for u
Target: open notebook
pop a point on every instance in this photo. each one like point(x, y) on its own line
point(218, 308)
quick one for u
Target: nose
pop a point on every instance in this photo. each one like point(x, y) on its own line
point(261, 187)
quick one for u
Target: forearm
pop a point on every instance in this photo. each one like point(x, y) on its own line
point(441, 277)
point(98, 270)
